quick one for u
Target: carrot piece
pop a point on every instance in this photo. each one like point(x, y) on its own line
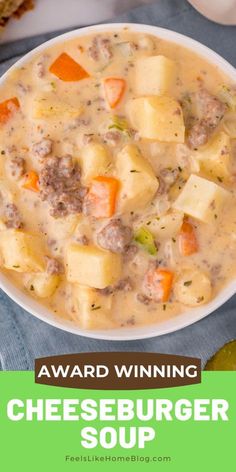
point(100, 201)
point(114, 90)
point(67, 69)
point(158, 284)
point(187, 239)
point(7, 108)
point(31, 181)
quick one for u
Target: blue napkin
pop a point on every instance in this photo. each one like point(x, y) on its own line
point(22, 337)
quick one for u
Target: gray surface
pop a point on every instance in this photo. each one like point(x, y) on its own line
point(22, 337)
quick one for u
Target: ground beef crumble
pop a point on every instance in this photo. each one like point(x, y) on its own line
point(53, 266)
point(115, 236)
point(211, 108)
point(13, 218)
point(100, 48)
point(198, 135)
point(59, 184)
point(211, 111)
point(43, 148)
point(124, 285)
point(130, 252)
point(143, 299)
point(16, 167)
point(112, 138)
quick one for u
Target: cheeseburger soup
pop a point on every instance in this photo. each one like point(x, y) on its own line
point(118, 179)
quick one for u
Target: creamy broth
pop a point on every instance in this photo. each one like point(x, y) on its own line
point(118, 201)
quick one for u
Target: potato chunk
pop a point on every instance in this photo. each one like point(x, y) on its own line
point(193, 287)
point(154, 75)
point(46, 106)
point(42, 285)
point(215, 158)
point(62, 227)
point(21, 251)
point(93, 310)
point(89, 265)
point(201, 199)
point(159, 118)
point(94, 161)
point(138, 181)
point(165, 226)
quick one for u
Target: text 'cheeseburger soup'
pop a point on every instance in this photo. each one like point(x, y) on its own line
point(118, 179)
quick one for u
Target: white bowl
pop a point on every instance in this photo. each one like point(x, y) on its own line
point(190, 316)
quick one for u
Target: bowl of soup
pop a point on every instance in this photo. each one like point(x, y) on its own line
point(118, 181)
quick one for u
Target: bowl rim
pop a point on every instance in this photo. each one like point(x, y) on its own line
point(191, 315)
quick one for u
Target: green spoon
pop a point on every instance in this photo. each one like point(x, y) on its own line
point(224, 359)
